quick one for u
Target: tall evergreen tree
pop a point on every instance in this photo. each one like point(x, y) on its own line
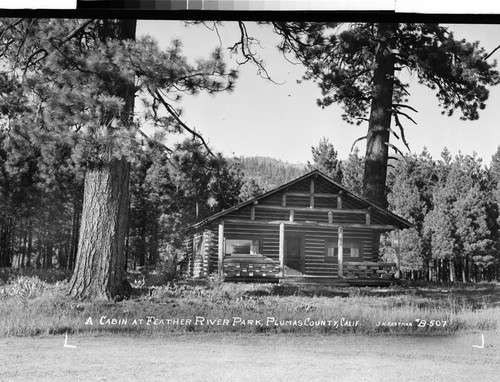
point(352, 172)
point(250, 189)
point(407, 198)
point(462, 227)
point(325, 159)
point(143, 230)
point(76, 81)
point(186, 187)
point(494, 177)
point(358, 65)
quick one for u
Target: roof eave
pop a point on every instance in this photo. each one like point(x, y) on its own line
point(403, 223)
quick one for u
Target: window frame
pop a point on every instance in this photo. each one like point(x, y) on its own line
point(258, 239)
point(348, 244)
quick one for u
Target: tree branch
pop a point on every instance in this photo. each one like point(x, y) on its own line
point(245, 44)
point(398, 151)
point(396, 105)
point(394, 133)
point(401, 129)
point(55, 46)
point(357, 140)
point(170, 151)
point(174, 114)
point(396, 112)
point(493, 51)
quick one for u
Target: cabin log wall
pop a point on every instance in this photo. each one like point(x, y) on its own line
point(188, 252)
point(315, 238)
point(201, 261)
point(312, 209)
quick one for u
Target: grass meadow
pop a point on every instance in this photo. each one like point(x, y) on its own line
point(34, 303)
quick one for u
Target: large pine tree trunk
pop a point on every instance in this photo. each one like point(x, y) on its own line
point(75, 229)
point(99, 269)
point(100, 261)
point(380, 118)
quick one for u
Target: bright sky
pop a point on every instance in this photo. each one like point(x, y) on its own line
point(283, 121)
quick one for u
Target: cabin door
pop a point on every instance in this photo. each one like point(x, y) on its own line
point(294, 254)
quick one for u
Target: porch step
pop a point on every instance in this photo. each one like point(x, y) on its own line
point(334, 281)
point(265, 280)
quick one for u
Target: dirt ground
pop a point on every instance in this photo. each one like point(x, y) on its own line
point(252, 357)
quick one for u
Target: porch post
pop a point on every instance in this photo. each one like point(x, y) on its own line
point(221, 249)
point(341, 252)
point(282, 250)
point(311, 197)
point(339, 200)
point(397, 250)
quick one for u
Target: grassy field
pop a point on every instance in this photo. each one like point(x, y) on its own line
point(251, 357)
point(30, 305)
point(181, 331)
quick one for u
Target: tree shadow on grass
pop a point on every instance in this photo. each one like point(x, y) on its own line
point(296, 290)
point(476, 295)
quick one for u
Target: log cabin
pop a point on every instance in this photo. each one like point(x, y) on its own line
point(310, 229)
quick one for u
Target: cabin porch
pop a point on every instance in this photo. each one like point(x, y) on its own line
point(262, 269)
point(306, 253)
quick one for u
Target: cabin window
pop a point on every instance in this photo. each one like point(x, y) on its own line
point(351, 250)
point(238, 247)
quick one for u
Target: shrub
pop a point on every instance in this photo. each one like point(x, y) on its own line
point(50, 276)
point(26, 287)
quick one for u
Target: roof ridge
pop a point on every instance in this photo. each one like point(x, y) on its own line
point(290, 183)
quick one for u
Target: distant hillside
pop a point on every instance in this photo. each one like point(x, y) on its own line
point(268, 172)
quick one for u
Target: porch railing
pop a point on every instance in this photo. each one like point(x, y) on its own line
point(261, 266)
point(251, 266)
point(369, 270)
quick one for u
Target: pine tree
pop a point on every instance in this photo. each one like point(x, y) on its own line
point(325, 159)
point(410, 196)
point(143, 230)
point(357, 66)
point(462, 228)
point(250, 189)
point(352, 172)
point(76, 81)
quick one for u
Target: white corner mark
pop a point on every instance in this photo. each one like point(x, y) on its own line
point(66, 342)
point(482, 345)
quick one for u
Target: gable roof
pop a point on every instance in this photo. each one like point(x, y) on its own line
point(399, 221)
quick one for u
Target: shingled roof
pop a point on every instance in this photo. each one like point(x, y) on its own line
point(397, 220)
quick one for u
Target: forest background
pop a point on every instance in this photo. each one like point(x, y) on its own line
point(453, 203)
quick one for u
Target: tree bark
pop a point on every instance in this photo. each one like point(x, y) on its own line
point(153, 245)
point(100, 261)
point(75, 229)
point(464, 278)
point(452, 270)
point(377, 149)
point(99, 270)
point(30, 244)
point(22, 256)
point(39, 251)
point(49, 252)
point(5, 243)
